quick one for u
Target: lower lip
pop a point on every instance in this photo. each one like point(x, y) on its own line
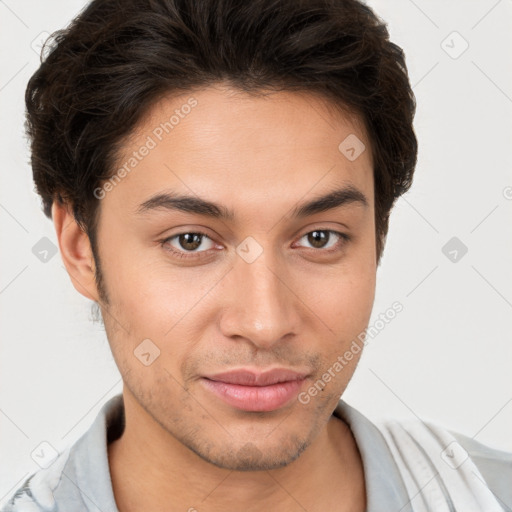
point(255, 398)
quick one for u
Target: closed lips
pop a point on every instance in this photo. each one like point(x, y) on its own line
point(251, 378)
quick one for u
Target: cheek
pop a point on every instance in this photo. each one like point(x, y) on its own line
point(153, 300)
point(344, 297)
point(147, 290)
point(348, 305)
point(346, 308)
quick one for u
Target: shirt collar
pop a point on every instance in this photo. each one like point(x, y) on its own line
point(385, 489)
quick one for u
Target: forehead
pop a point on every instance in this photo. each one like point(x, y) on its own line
point(223, 110)
point(238, 147)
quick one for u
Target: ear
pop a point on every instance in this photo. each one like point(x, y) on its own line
point(75, 249)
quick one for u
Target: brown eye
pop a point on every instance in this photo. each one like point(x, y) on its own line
point(318, 238)
point(189, 242)
point(324, 239)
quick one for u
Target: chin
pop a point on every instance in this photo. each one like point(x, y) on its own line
point(250, 457)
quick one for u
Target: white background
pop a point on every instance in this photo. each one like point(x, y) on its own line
point(446, 357)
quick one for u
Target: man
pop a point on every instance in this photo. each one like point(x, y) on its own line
point(220, 176)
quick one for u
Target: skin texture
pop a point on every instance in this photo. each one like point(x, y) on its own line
point(295, 306)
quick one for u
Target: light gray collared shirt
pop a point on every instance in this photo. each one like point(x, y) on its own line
point(79, 479)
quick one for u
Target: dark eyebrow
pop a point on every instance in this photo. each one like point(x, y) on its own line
point(335, 199)
point(198, 206)
point(184, 203)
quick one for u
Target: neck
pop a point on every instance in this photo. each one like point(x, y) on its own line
point(156, 471)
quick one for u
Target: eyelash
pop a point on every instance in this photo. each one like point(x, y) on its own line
point(344, 239)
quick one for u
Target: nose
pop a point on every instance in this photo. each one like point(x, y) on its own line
point(261, 305)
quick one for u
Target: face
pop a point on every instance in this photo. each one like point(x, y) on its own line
point(256, 284)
